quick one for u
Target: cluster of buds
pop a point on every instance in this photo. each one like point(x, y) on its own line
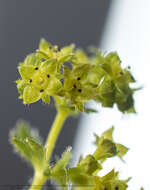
point(72, 78)
point(85, 175)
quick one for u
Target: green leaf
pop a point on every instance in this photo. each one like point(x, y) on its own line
point(63, 162)
point(23, 130)
point(31, 95)
point(28, 143)
point(59, 171)
point(23, 148)
point(30, 150)
point(38, 152)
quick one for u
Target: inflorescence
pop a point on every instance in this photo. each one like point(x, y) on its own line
point(72, 78)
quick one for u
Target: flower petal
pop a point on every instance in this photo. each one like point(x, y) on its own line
point(31, 95)
point(53, 87)
point(49, 66)
point(32, 59)
point(21, 84)
point(44, 45)
point(26, 71)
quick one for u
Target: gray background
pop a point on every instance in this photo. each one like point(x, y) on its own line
point(22, 24)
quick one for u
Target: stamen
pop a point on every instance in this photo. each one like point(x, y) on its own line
point(74, 86)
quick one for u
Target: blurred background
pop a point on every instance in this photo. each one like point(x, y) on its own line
point(121, 26)
point(126, 31)
point(22, 24)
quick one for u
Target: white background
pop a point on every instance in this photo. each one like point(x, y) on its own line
point(128, 32)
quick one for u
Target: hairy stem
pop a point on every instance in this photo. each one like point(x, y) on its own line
point(39, 178)
point(54, 133)
point(38, 181)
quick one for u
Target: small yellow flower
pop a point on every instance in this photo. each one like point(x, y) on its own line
point(39, 81)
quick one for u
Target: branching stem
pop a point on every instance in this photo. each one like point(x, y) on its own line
point(38, 181)
point(39, 178)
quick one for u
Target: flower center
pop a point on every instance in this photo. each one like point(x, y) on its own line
point(40, 81)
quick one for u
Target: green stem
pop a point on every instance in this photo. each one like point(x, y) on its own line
point(38, 181)
point(39, 178)
point(54, 133)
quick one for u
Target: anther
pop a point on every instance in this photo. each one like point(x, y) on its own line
point(48, 76)
point(79, 90)
point(30, 80)
point(36, 68)
point(116, 188)
point(121, 73)
point(41, 90)
point(74, 86)
point(78, 78)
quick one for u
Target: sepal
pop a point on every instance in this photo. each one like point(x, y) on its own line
point(59, 171)
point(89, 165)
point(107, 146)
point(106, 149)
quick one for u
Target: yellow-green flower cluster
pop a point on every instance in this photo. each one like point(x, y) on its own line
point(86, 174)
point(73, 78)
